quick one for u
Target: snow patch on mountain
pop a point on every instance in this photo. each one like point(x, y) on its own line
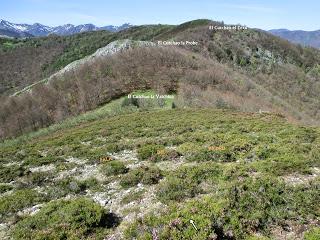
point(37, 29)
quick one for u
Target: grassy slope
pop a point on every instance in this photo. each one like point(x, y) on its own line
point(234, 174)
point(108, 110)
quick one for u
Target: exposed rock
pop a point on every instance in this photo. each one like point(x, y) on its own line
point(44, 168)
point(4, 231)
point(31, 210)
point(89, 171)
point(297, 179)
point(291, 230)
point(76, 160)
point(66, 173)
point(125, 155)
point(108, 50)
point(86, 143)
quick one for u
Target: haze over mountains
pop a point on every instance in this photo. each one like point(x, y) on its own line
point(39, 30)
point(306, 38)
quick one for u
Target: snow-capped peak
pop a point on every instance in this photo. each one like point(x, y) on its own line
point(38, 29)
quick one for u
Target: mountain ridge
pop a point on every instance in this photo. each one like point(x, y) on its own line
point(14, 30)
point(110, 49)
point(246, 70)
point(39, 30)
point(305, 38)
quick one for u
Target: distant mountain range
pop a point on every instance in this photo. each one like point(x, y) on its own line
point(306, 38)
point(8, 29)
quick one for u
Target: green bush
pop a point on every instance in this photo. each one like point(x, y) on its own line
point(217, 156)
point(143, 174)
point(130, 102)
point(313, 234)
point(91, 183)
point(188, 148)
point(18, 200)
point(265, 152)
point(164, 155)
point(253, 205)
point(10, 173)
point(5, 188)
point(41, 160)
point(177, 189)
point(71, 185)
point(257, 204)
point(148, 151)
point(150, 175)
point(112, 147)
point(132, 196)
point(174, 223)
point(113, 168)
point(37, 178)
point(73, 219)
point(185, 181)
point(234, 211)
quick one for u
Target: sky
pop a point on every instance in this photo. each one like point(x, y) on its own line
point(267, 14)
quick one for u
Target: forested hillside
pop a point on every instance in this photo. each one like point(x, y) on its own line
point(247, 70)
point(24, 62)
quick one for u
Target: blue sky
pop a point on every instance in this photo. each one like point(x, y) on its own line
point(265, 14)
